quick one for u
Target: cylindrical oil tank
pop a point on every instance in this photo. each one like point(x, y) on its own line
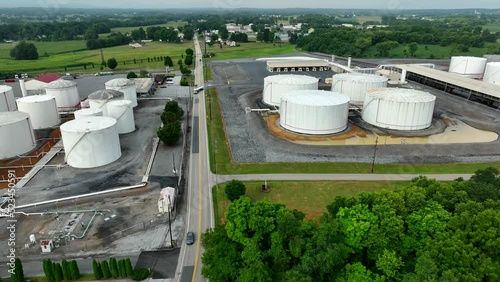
point(314, 111)
point(7, 101)
point(467, 66)
point(277, 85)
point(122, 111)
point(16, 134)
point(42, 110)
point(126, 86)
point(91, 142)
point(492, 73)
point(100, 98)
point(355, 85)
point(90, 112)
point(66, 93)
point(399, 109)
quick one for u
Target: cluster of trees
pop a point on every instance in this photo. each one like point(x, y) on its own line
point(114, 39)
point(265, 35)
point(156, 33)
point(24, 51)
point(171, 117)
point(427, 231)
point(238, 37)
point(55, 272)
point(116, 269)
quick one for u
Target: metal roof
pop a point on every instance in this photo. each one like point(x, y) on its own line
point(359, 77)
point(88, 124)
point(143, 85)
point(119, 82)
point(316, 98)
point(451, 78)
point(297, 63)
point(400, 95)
point(89, 111)
point(105, 94)
point(12, 117)
point(60, 83)
point(35, 98)
point(5, 88)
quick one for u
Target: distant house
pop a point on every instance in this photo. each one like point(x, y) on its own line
point(37, 85)
point(9, 41)
point(135, 45)
point(146, 40)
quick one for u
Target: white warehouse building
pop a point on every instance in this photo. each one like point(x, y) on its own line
point(355, 85)
point(399, 109)
point(314, 112)
point(277, 85)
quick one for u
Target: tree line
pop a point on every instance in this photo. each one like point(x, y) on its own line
point(427, 231)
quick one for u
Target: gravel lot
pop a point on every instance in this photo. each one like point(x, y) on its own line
point(251, 142)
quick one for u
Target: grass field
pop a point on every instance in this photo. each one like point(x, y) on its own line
point(248, 50)
point(224, 165)
point(310, 197)
point(129, 29)
point(439, 52)
point(363, 19)
point(492, 27)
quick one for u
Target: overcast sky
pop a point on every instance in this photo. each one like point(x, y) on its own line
point(234, 4)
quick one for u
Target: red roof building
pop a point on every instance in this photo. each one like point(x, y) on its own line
point(48, 77)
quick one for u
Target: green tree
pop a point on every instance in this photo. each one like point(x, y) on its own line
point(234, 189)
point(383, 48)
point(143, 73)
point(47, 269)
point(96, 267)
point(65, 270)
point(189, 52)
point(356, 224)
point(224, 34)
point(58, 274)
point(168, 62)
point(221, 260)
point(185, 70)
point(170, 133)
point(105, 270)
point(168, 117)
point(121, 268)
point(363, 43)
point(188, 32)
point(131, 75)
point(357, 272)
point(128, 267)
point(17, 274)
point(90, 34)
point(412, 48)
point(389, 263)
point(74, 270)
point(492, 48)
point(173, 107)
point(112, 63)
point(188, 60)
point(113, 267)
point(24, 51)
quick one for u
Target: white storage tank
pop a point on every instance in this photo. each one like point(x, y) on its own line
point(400, 109)
point(314, 111)
point(492, 73)
point(467, 66)
point(126, 86)
point(42, 110)
point(16, 134)
point(83, 113)
point(122, 111)
point(66, 93)
point(277, 85)
point(7, 101)
point(91, 142)
point(355, 85)
point(100, 98)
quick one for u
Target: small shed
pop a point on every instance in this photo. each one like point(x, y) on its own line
point(166, 202)
point(47, 246)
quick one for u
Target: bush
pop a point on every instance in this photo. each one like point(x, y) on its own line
point(24, 51)
point(58, 274)
point(140, 274)
point(105, 270)
point(168, 117)
point(121, 268)
point(129, 268)
point(131, 75)
point(185, 70)
point(47, 269)
point(113, 267)
point(173, 107)
point(65, 270)
point(112, 63)
point(170, 133)
point(234, 190)
point(96, 266)
point(74, 271)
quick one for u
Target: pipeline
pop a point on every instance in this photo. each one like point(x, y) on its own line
point(60, 212)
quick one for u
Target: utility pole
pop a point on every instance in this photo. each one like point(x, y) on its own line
point(374, 153)
point(169, 222)
point(175, 173)
point(102, 56)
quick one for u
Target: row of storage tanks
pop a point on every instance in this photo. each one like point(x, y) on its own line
point(305, 109)
point(90, 140)
point(476, 67)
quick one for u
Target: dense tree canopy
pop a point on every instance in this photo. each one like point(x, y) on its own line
point(24, 51)
point(427, 231)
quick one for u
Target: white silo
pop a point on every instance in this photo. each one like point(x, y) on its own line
point(42, 110)
point(100, 98)
point(492, 73)
point(277, 85)
point(7, 101)
point(314, 111)
point(66, 93)
point(467, 66)
point(91, 142)
point(83, 113)
point(126, 86)
point(400, 109)
point(16, 134)
point(122, 111)
point(355, 85)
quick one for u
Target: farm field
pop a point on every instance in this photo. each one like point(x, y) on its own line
point(250, 49)
point(492, 27)
point(128, 29)
point(426, 51)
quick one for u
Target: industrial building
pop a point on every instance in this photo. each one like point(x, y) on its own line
point(277, 85)
point(297, 65)
point(355, 85)
point(144, 86)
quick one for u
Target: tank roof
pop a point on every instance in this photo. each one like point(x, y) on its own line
point(7, 118)
point(89, 111)
point(5, 88)
point(292, 79)
point(316, 98)
point(60, 83)
point(494, 64)
point(88, 124)
point(105, 94)
point(360, 77)
point(400, 95)
point(35, 99)
point(119, 82)
point(469, 58)
point(120, 103)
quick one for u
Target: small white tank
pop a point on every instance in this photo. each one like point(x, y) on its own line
point(122, 111)
point(83, 113)
point(91, 142)
point(467, 66)
point(492, 73)
point(16, 134)
point(126, 86)
point(355, 85)
point(7, 101)
point(66, 93)
point(42, 110)
point(99, 99)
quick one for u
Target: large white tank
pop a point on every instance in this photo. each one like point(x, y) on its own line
point(314, 111)
point(277, 85)
point(7, 101)
point(122, 111)
point(355, 85)
point(16, 134)
point(66, 93)
point(126, 86)
point(400, 109)
point(83, 113)
point(91, 142)
point(467, 66)
point(42, 110)
point(492, 73)
point(100, 98)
